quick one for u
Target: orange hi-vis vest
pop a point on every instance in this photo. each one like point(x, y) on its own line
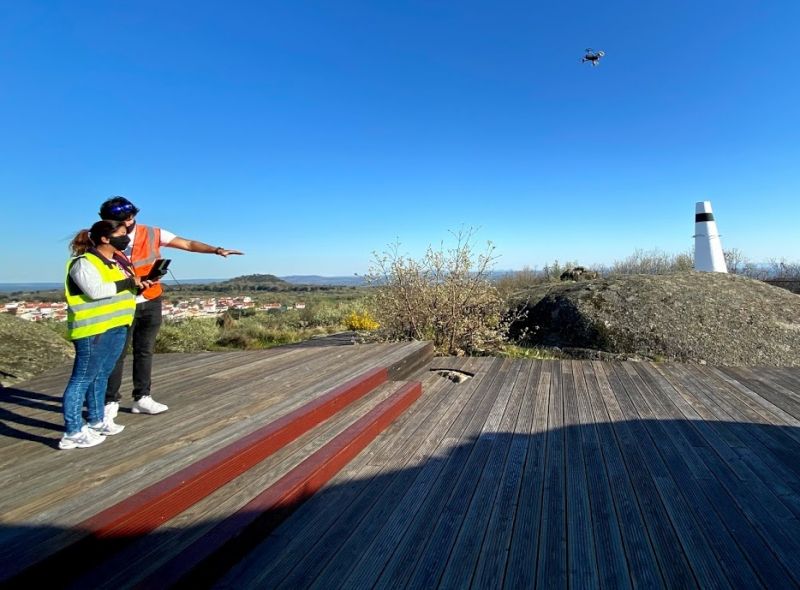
point(144, 252)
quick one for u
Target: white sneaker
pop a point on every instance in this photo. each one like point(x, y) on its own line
point(107, 427)
point(147, 405)
point(111, 410)
point(83, 439)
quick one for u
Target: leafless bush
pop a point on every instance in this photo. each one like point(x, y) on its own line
point(735, 261)
point(445, 297)
point(521, 280)
point(653, 262)
point(783, 269)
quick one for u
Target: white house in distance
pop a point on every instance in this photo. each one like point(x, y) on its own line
point(708, 256)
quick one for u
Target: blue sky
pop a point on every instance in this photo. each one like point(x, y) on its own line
point(310, 134)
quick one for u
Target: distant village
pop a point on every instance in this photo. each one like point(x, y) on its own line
point(37, 311)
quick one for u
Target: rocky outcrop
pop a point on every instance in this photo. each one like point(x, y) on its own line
point(713, 318)
point(578, 273)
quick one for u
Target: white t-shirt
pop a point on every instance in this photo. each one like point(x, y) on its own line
point(89, 280)
point(166, 238)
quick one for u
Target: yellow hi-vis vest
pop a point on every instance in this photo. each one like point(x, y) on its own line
point(89, 317)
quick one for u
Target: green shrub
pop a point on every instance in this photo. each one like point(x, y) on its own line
point(324, 313)
point(193, 335)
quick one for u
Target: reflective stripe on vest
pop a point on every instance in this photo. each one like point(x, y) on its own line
point(89, 317)
point(146, 249)
point(75, 324)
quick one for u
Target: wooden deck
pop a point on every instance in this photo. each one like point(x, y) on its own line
point(530, 474)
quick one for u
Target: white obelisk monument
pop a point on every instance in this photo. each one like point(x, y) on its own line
point(708, 255)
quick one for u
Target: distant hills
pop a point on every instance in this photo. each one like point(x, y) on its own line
point(351, 281)
point(266, 281)
point(255, 279)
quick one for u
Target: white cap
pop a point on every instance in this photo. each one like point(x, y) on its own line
point(703, 207)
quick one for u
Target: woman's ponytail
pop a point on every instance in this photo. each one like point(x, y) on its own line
point(81, 243)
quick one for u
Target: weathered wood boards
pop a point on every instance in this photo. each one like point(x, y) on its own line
point(530, 474)
point(554, 474)
point(41, 515)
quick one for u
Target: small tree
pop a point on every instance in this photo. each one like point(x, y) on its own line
point(445, 297)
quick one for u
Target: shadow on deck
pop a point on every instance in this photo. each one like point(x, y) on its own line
point(505, 510)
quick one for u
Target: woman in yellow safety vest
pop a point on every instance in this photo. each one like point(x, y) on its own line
point(100, 288)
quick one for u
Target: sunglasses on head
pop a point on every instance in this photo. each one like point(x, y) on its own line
point(125, 208)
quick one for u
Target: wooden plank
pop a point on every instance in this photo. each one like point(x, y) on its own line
point(335, 506)
point(781, 382)
point(582, 568)
point(147, 553)
point(717, 445)
point(153, 506)
point(177, 417)
point(332, 559)
point(315, 549)
point(666, 540)
point(442, 539)
point(213, 555)
point(491, 566)
point(790, 376)
point(391, 562)
point(44, 422)
point(40, 496)
point(612, 567)
point(430, 538)
point(769, 452)
point(469, 543)
point(757, 451)
point(412, 362)
point(362, 520)
point(699, 533)
point(109, 530)
point(786, 399)
point(771, 413)
point(135, 470)
point(712, 499)
point(552, 558)
point(759, 506)
point(643, 564)
point(524, 549)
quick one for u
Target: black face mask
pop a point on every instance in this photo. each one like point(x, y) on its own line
point(120, 242)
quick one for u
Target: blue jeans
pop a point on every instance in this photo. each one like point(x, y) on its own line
point(95, 357)
point(143, 333)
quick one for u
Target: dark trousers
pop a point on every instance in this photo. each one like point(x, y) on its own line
point(142, 334)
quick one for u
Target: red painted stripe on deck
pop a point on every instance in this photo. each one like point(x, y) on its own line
point(214, 553)
point(150, 508)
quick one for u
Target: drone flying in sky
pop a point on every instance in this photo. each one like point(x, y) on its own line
point(592, 56)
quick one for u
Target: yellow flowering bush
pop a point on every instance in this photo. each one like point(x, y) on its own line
point(361, 321)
